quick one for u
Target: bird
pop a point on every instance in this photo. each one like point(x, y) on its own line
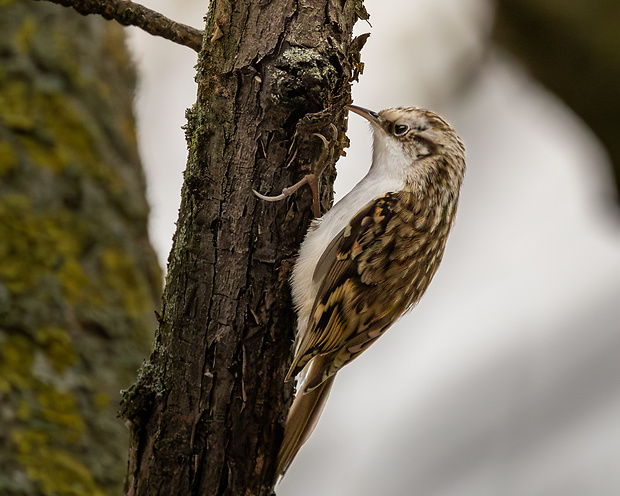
point(371, 257)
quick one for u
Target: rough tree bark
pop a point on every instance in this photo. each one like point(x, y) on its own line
point(206, 411)
point(78, 277)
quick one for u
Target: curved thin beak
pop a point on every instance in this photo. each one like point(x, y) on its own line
point(369, 115)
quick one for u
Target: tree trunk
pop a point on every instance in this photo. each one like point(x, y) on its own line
point(206, 413)
point(78, 278)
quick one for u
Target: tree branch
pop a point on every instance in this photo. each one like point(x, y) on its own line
point(133, 14)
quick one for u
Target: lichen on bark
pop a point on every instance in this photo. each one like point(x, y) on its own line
point(78, 278)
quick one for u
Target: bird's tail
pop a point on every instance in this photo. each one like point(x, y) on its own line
point(303, 415)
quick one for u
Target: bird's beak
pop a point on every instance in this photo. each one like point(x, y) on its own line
point(369, 115)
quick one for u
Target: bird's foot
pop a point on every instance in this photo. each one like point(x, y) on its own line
point(311, 180)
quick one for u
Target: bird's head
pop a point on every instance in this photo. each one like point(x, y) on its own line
point(416, 144)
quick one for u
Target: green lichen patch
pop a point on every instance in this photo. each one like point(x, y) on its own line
point(302, 74)
point(16, 105)
point(41, 153)
point(57, 347)
point(34, 245)
point(102, 401)
point(78, 279)
point(50, 422)
point(56, 471)
point(121, 277)
point(44, 397)
point(54, 132)
point(8, 158)
point(58, 411)
point(68, 127)
point(16, 359)
point(65, 58)
point(25, 33)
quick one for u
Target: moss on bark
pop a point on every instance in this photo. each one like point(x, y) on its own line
point(78, 278)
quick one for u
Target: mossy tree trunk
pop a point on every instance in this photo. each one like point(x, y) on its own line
point(206, 413)
point(78, 278)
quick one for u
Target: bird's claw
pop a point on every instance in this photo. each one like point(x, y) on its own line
point(311, 180)
point(286, 191)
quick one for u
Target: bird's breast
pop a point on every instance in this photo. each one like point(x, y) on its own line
point(322, 231)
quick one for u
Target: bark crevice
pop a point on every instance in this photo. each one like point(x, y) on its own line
point(225, 338)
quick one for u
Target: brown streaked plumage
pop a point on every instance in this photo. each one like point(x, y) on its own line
point(372, 256)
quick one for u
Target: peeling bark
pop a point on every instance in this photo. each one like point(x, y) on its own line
point(206, 412)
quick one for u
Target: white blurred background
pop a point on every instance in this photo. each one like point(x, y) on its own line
point(505, 380)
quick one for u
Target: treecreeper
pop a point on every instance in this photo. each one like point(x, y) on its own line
point(372, 256)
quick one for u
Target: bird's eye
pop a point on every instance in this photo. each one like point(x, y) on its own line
point(400, 129)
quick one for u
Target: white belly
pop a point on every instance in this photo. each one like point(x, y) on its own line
point(323, 230)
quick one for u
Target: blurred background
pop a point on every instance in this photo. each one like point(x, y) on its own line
point(505, 380)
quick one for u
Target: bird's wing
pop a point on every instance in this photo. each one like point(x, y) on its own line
point(352, 273)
